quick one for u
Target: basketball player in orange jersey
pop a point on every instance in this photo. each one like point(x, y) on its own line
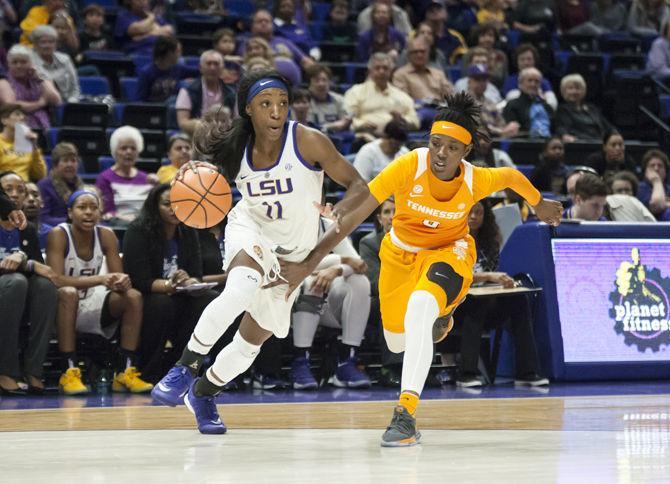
point(278, 167)
point(427, 258)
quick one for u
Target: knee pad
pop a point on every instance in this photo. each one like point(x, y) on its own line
point(395, 341)
point(449, 280)
point(245, 348)
point(309, 304)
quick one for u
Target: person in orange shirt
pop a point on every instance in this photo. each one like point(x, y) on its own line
point(428, 256)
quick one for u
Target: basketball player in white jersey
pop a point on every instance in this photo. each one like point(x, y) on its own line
point(90, 302)
point(278, 168)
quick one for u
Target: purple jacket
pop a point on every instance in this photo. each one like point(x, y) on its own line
point(54, 210)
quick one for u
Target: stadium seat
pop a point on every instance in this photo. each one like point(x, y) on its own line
point(664, 100)
point(145, 115)
point(103, 3)
point(194, 44)
point(525, 169)
point(150, 165)
point(140, 61)
point(337, 51)
point(240, 8)
point(620, 43)
point(191, 61)
point(577, 43)
point(591, 67)
point(128, 89)
point(105, 162)
point(85, 114)
point(625, 62)
point(155, 145)
point(320, 11)
point(197, 24)
point(577, 152)
point(525, 152)
point(94, 85)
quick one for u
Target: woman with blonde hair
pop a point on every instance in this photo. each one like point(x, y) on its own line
point(576, 119)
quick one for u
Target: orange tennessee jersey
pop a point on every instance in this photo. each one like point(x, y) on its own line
point(430, 213)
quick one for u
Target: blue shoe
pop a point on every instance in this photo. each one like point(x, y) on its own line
point(267, 382)
point(171, 389)
point(348, 375)
point(301, 375)
point(204, 409)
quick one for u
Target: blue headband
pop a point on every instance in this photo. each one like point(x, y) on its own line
point(263, 84)
point(79, 193)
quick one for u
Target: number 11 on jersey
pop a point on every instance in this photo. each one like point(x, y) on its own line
point(274, 210)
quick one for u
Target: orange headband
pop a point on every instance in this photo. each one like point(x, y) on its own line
point(452, 130)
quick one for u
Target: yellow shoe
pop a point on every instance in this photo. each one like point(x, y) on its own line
point(70, 382)
point(130, 381)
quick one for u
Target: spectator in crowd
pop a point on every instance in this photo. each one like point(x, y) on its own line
point(572, 14)
point(576, 119)
point(137, 27)
point(286, 26)
point(646, 17)
point(338, 29)
point(474, 314)
point(624, 182)
point(369, 251)
point(530, 113)
point(162, 258)
point(259, 47)
point(589, 199)
point(38, 15)
point(449, 41)
point(123, 186)
point(491, 113)
point(30, 90)
point(94, 35)
point(224, 42)
point(262, 26)
point(492, 12)
point(68, 40)
point(436, 57)
point(485, 36)
point(62, 182)
point(326, 107)
point(31, 207)
point(535, 17)
point(488, 156)
point(58, 66)
point(606, 16)
point(373, 157)
point(375, 102)
point(426, 85)
point(90, 302)
point(612, 157)
point(300, 107)
point(658, 60)
point(619, 207)
point(28, 165)
point(337, 295)
point(526, 55)
point(25, 290)
point(8, 18)
point(399, 18)
point(550, 172)
point(479, 56)
point(204, 92)
point(654, 189)
point(381, 37)
point(252, 64)
point(158, 81)
point(179, 152)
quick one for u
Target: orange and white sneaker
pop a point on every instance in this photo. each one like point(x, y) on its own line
point(70, 383)
point(402, 432)
point(130, 381)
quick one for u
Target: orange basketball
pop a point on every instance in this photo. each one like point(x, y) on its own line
point(201, 199)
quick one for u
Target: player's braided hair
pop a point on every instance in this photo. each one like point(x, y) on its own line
point(462, 109)
point(222, 143)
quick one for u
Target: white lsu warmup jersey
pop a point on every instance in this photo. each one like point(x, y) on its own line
point(279, 199)
point(77, 267)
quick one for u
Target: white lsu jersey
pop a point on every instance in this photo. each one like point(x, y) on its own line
point(76, 266)
point(279, 199)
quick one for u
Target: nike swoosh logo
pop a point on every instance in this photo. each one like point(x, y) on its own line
point(163, 388)
point(243, 177)
point(441, 275)
point(263, 83)
point(217, 421)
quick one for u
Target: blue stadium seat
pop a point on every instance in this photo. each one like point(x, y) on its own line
point(664, 99)
point(140, 60)
point(454, 73)
point(128, 89)
point(52, 137)
point(103, 3)
point(105, 162)
point(316, 30)
point(94, 85)
point(320, 11)
point(47, 161)
point(525, 169)
point(200, 24)
point(192, 61)
point(240, 8)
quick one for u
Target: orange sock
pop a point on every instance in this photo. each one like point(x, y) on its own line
point(410, 401)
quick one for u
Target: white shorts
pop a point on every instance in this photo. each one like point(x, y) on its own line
point(89, 313)
point(269, 308)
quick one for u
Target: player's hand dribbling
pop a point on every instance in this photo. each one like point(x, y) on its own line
point(192, 165)
point(549, 211)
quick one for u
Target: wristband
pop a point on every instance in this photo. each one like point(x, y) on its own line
point(30, 266)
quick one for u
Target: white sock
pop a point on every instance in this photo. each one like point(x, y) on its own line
point(234, 359)
point(240, 290)
point(355, 309)
point(422, 311)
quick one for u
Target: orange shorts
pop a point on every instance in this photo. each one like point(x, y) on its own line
point(403, 272)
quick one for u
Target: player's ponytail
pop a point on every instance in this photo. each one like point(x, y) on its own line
point(463, 110)
point(223, 143)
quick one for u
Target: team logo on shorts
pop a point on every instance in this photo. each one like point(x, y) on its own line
point(460, 249)
point(258, 251)
point(640, 304)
